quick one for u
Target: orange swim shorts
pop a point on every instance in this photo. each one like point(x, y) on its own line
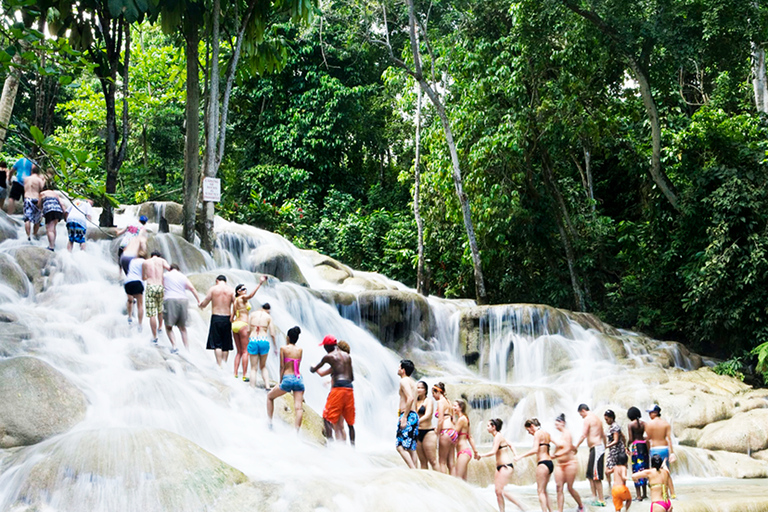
point(341, 402)
point(620, 494)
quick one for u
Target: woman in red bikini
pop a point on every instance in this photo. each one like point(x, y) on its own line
point(504, 468)
point(658, 481)
point(544, 466)
point(448, 435)
point(567, 465)
point(464, 444)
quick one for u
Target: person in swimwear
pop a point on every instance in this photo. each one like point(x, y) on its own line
point(448, 435)
point(261, 326)
point(426, 448)
point(504, 466)
point(659, 482)
point(221, 296)
point(465, 445)
point(595, 436)
point(290, 378)
point(619, 491)
point(341, 399)
point(33, 212)
point(639, 449)
point(134, 290)
point(616, 443)
point(339, 427)
point(544, 467)
point(659, 435)
point(128, 233)
point(240, 326)
point(567, 465)
point(53, 211)
point(408, 420)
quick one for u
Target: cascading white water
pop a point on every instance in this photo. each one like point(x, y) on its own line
point(136, 390)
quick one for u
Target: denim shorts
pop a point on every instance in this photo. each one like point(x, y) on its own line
point(292, 383)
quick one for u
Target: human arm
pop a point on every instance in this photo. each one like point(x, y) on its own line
point(191, 288)
point(120, 231)
point(314, 369)
point(668, 437)
point(533, 451)
point(584, 434)
point(282, 362)
point(206, 300)
point(496, 444)
point(253, 293)
point(616, 438)
point(429, 408)
point(407, 395)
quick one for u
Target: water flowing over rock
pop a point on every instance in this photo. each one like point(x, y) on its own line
point(393, 316)
point(13, 276)
point(123, 470)
point(156, 210)
point(9, 227)
point(37, 264)
point(177, 250)
point(38, 402)
point(273, 261)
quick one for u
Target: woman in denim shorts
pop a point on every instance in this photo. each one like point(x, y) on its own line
point(290, 377)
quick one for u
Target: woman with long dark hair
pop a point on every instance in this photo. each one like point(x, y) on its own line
point(659, 482)
point(639, 449)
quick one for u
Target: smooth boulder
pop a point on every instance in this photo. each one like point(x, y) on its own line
point(177, 250)
point(270, 260)
point(150, 470)
point(38, 402)
point(744, 433)
point(13, 276)
point(393, 316)
point(172, 212)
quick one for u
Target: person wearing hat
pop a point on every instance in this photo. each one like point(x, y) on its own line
point(659, 434)
point(128, 233)
point(341, 399)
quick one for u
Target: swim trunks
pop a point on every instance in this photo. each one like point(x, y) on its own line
point(175, 312)
point(640, 460)
point(258, 346)
point(153, 300)
point(663, 452)
point(76, 232)
point(220, 333)
point(341, 402)
point(52, 209)
point(620, 495)
point(31, 212)
point(595, 463)
point(17, 191)
point(134, 288)
point(407, 436)
point(292, 383)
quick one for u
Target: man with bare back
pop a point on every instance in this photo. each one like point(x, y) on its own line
point(659, 435)
point(137, 244)
point(341, 399)
point(261, 328)
point(33, 210)
point(221, 295)
point(408, 419)
point(595, 436)
point(152, 274)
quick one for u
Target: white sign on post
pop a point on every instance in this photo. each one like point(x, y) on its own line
point(212, 189)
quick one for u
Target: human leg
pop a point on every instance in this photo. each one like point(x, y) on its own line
point(559, 485)
point(542, 479)
point(243, 348)
point(183, 331)
point(570, 475)
point(50, 231)
point(430, 449)
point(298, 408)
point(254, 367)
point(219, 356)
point(462, 464)
point(276, 392)
point(264, 372)
point(169, 333)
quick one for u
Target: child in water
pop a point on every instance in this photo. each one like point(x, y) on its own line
point(620, 492)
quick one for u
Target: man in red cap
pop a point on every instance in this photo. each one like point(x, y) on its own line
point(341, 399)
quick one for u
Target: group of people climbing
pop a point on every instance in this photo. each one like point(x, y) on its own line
point(42, 204)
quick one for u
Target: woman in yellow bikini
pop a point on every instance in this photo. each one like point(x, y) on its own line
point(448, 435)
point(240, 326)
point(464, 444)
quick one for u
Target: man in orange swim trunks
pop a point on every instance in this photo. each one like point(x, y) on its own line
point(341, 399)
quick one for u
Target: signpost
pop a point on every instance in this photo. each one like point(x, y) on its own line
point(212, 189)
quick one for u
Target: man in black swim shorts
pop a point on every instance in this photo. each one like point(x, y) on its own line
point(221, 295)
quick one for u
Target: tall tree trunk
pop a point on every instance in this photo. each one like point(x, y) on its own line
point(759, 81)
point(480, 292)
point(114, 155)
point(192, 121)
point(642, 76)
point(10, 88)
point(208, 237)
point(421, 281)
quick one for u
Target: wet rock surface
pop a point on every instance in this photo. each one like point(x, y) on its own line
point(392, 316)
point(12, 275)
point(38, 402)
point(273, 261)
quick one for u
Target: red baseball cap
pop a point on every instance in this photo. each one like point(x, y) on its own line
point(329, 340)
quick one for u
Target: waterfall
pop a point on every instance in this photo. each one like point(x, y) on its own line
point(512, 361)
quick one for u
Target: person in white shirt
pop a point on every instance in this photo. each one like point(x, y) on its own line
point(78, 216)
point(134, 288)
point(176, 285)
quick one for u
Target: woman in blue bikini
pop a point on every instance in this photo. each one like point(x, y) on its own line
point(290, 377)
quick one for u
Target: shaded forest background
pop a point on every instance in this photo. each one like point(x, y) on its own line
point(548, 102)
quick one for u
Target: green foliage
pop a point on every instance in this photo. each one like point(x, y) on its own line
point(761, 352)
point(733, 367)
